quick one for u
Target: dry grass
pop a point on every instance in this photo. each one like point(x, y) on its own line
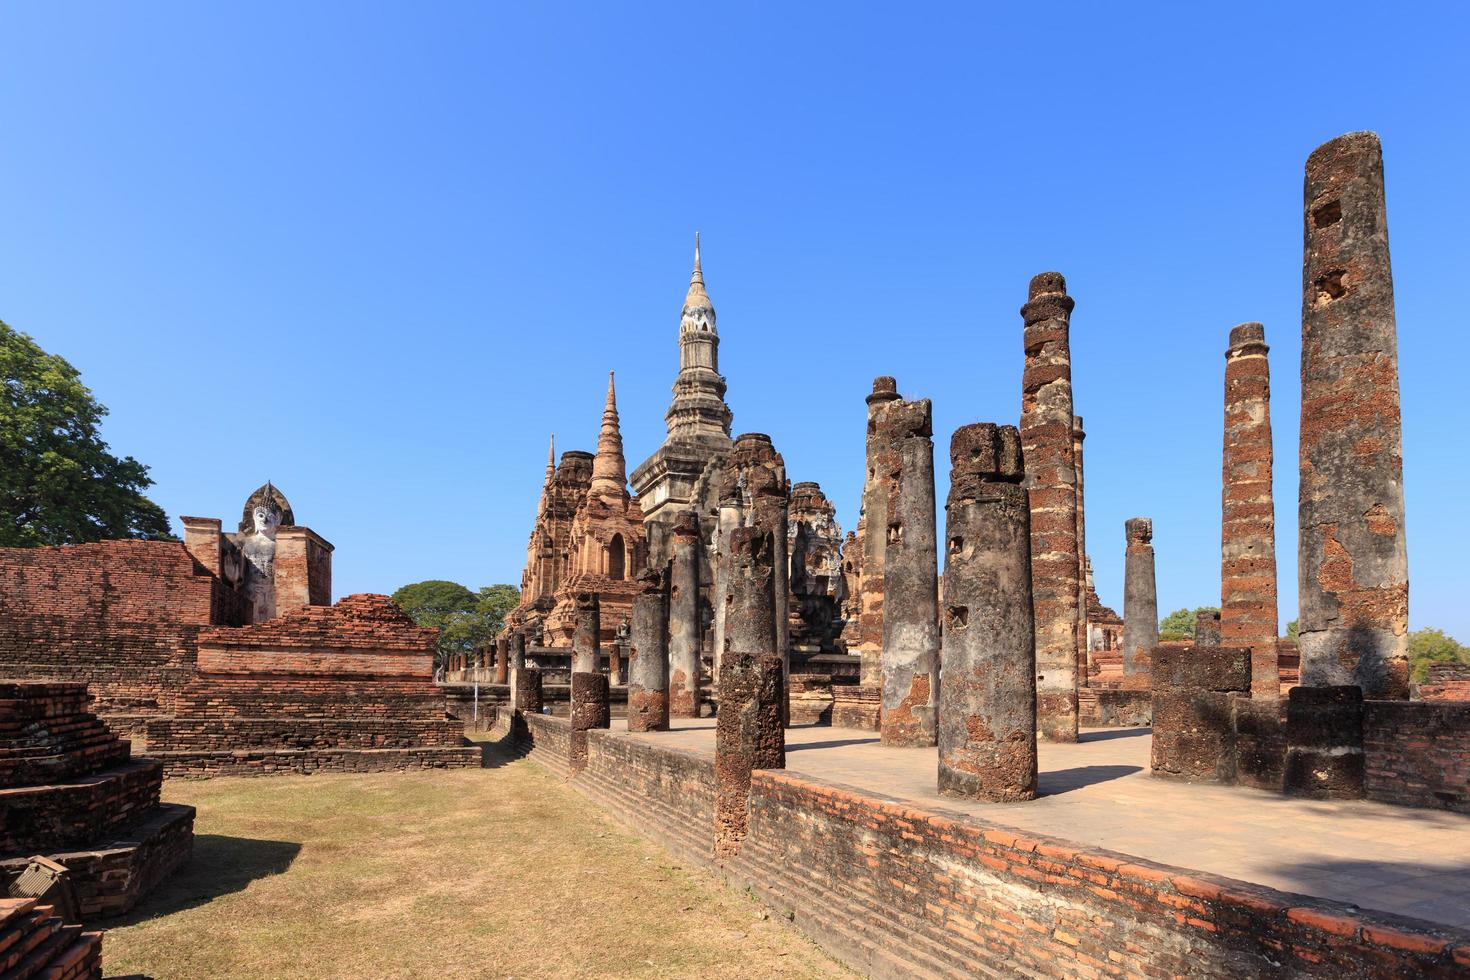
point(501, 872)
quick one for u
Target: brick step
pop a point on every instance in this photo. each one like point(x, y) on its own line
point(34, 942)
point(611, 796)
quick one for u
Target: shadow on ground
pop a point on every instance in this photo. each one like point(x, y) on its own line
point(220, 865)
point(1432, 890)
point(831, 744)
point(1113, 733)
point(1064, 780)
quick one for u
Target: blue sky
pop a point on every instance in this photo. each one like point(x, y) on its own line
point(378, 252)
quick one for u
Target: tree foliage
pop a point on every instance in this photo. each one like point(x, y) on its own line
point(59, 484)
point(1432, 646)
point(1179, 624)
point(1293, 630)
point(466, 620)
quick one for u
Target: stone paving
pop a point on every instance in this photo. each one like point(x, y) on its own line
point(1099, 791)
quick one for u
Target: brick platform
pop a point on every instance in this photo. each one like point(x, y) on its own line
point(69, 790)
point(34, 942)
point(345, 688)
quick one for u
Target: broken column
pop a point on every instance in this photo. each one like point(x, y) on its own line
point(587, 638)
point(1353, 566)
point(590, 709)
point(1207, 629)
point(1193, 729)
point(1140, 597)
point(1324, 742)
point(873, 535)
point(910, 580)
point(526, 690)
point(1083, 667)
point(987, 691)
point(1051, 481)
point(684, 625)
point(648, 657)
point(502, 657)
point(748, 736)
point(517, 650)
point(1248, 516)
point(750, 625)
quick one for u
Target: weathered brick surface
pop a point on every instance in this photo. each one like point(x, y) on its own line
point(1324, 742)
point(749, 735)
point(336, 687)
point(1051, 480)
point(35, 942)
point(1418, 753)
point(120, 616)
point(1101, 707)
point(1193, 722)
point(1260, 740)
point(856, 706)
point(896, 890)
point(1446, 682)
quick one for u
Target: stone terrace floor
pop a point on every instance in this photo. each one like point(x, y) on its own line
point(1099, 792)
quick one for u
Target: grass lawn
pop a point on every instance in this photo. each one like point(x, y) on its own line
point(499, 872)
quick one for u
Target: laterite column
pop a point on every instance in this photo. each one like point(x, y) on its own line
point(648, 657)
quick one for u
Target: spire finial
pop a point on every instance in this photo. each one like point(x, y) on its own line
point(698, 276)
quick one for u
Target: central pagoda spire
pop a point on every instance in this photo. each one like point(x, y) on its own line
point(609, 471)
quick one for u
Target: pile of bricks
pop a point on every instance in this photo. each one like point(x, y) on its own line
point(35, 942)
point(70, 790)
point(327, 688)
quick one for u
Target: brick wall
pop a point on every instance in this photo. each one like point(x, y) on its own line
point(1446, 682)
point(1417, 753)
point(895, 890)
point(122, 616)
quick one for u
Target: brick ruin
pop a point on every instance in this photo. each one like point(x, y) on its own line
point(71, 791)
point(344, 688)
point(36, 941)
point(818, 587)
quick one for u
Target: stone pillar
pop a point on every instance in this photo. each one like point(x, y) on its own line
point(987, 691)
point(748, 736)
point(771, 511)
point(1051, 481)
point(1324, 742)
point(502, 657)
point(1353, 566)
point(590, 709)
point(1084, 670)
point(1140, 597)
point(517, 650)
point(910, 582)
point(1248, 516)
point(750, 625)
point(1207, 629)
point(684, 626)
point(648, 657)
point(615, 657)
point(874, 535)
point(727, 521)
point(1194, 736)
point(587, 638)
point(526, 691)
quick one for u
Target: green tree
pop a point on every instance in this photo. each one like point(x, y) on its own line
point(1179, 624)
point(1293, 630)
point(58, 482)
point(466, 620)
point(1432, 646)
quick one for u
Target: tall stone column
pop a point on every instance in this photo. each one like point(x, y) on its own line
point(910, 581)
point(1353, 565)
point(748, 736)
point(771, 511)
point(750, 625)
point(587, 638)
point(1248, 516)
point(502, 657)
point(517, 650)
point(648, 657)
point(874, 535)
point(684, 619)
point(987, 691)
point(1140, 597)
point(1051, 481)
point(727, 521)
point(1083, 667)
point(526, 690)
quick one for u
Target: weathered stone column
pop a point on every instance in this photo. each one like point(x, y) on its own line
point(616, 654)
point(910, 581)
point(874, 535)
point(1140, 597)
point(590, 709)
point(517, 650)
point(1083, 667)
point(684, 619)
point(526, 690)
point(502, 657)
point(748, 736)
point(1194, 736)
point(987, 691)
point(1324, 742)
point(1353, 565)
point(771, 511)
point(1051, 481)
point(750, 618)
point(727, 521)
point(587, 639)
point(648, 657)
point(1248, 516)
point(1207, 630)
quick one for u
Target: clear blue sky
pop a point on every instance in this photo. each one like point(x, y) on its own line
point(377, 252)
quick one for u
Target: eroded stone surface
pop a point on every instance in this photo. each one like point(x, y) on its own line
point(749, 735)
point(684, 624)
point(648, 657)
point(1140, 596)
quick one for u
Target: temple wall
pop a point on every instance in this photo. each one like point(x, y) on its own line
point(1418, 753)
point(121, 616)
point(894, 890)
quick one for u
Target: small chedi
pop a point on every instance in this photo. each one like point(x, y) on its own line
point(326, 688)
point(71, 791)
